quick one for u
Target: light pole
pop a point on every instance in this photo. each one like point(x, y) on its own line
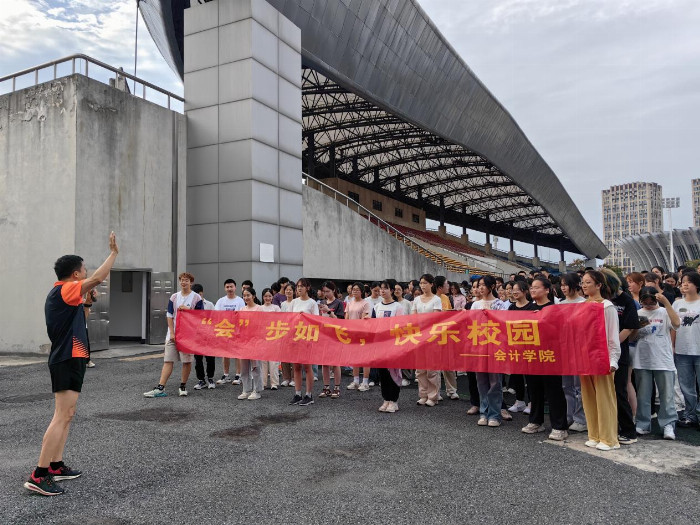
point(670, 203)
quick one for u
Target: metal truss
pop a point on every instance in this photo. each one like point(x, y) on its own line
point(348, 137)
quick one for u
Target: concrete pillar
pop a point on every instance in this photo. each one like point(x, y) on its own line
point(465, 239)
point(562, 266)
point(511, 256)
point(488, 248)
point(442, 230)
point(243, 107)
point(536, 262)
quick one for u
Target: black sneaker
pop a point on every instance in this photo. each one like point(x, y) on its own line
point(200, 385)
point(624, 440)
point(685, 423)
point(308, 400)
point(64, 472)
point(296, 400)
point(44, 486)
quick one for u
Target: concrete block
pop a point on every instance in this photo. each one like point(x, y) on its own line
point(265, 15)
point(234, 10)
point(238, 271)
point(235, 161)
point(208, 276)
point(203, 165)
point(264, 46)
point(291, 271)
point(291, 246)
point(235, 41)
point(289, 135)
point(235, 201)
point(248, 119)
point(235, 241)
point(202, 243)
point(290, 171)
point(235, 81)
point(265, 203)
point(265, 125)
point(203, 204)
point(264, 274)
point(264, 85)
point(264, 233)
point(289, 99)
point(290, 209)
point(200, 17)
point(201, 127)
point(202, 88)
point(200, 50)
point(248, 159)
point(289, 33)
point(289, 63)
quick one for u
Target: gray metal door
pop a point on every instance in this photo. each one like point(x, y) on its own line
point(161, 287)
point(98, 321)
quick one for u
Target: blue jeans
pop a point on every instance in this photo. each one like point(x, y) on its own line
point(490, 395)
point(665, 380)
point(688, 367)
point(574, 403)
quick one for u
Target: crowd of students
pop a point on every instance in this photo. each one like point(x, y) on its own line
point(653, 337)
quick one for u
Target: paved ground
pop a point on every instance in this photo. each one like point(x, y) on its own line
point(210, 457)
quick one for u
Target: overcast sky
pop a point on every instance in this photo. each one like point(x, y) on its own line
point(608, 91)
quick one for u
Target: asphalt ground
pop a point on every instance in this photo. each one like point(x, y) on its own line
point(212, 458)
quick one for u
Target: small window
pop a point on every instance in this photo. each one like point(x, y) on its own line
point(354, 196)
point(416, 218)
point(377, 205)
point(398, 212)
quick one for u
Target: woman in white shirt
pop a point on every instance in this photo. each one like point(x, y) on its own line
point(687, 352)
point(286, 306)
point(599, 398)
point(270, 367)
point(428, 380)
point(251, 369)
point(490, 387)
point(389, 379)
point(303, 304)
point(653, 362)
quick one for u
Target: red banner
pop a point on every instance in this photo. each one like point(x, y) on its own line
point(564, 339)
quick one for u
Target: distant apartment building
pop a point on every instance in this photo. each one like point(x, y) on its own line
point(630, 209)
point(696, 203)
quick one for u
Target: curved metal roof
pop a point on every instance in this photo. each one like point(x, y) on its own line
point(392, 106)
point(652, 249)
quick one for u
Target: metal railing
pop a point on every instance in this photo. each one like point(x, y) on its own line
point(351, 203)
point(79, 60)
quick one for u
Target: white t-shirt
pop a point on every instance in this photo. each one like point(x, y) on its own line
point(388, 310)
point(230, 305)
point(578, 299)
point(271, 308)
point(406, 306)
point(286, 306)
point(494, 304)
point(419, 307)
point(688, 334)
point(309, 306)
point(176, 301)
point(654, 350)
point(372, 301)
point(208, 305)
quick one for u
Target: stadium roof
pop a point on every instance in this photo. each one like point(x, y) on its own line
point(389, 104)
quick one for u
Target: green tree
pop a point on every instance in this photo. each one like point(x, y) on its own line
point(615, 269)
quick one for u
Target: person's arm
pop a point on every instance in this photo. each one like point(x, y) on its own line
point(624, 334)
point(366, 309)
point(672, 314)
point(102, 272)
point(612, 330)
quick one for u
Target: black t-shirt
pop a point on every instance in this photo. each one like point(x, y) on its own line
point(628, 319)
point(536, 306)
point(336, 306)
point(65, 322)
point(528, 306)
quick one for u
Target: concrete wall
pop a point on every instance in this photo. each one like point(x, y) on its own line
point(78, 159)
point(340, 244)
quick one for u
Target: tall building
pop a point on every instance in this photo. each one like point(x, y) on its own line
point(630, 209)
point(696, 203)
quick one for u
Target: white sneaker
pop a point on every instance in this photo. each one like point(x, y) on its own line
point(532, 428)
point(363, 387)
point(558, 435)
point(511, 391)
point(315, 378)
point(578, 427)
point(284, 383)
point(527, 409)
point(254, 395)
point(591, 443)
point(405, 382)
point(236, 380)
point(392, 407)
point(244, 395)
point(455, 396)
point(92, 365)
point(430, 403)
point(669, 432)
point(200, 385)
point(518, 406)
point(224, 379)
point(353, 386)
point(371, 383)
point(482, 422)
point(210, 384)
point(292, 383)
point(642, 432)
point(273, 387)
point(182, 392)
point(605, 448)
